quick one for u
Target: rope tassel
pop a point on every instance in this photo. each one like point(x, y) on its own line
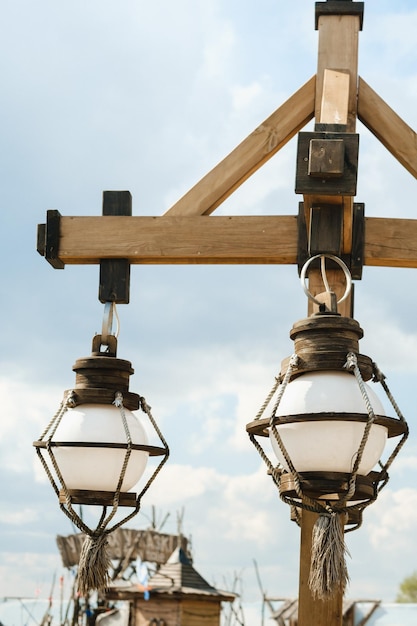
point(93, 568)
point(328, 570)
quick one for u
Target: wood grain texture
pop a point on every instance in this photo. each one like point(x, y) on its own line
point(335, 97)
point(313, 612)
point(178, 240)
point(338, 51)
point(389, 242)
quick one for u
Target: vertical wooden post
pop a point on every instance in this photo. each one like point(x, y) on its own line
point(338, 52)
point(336, 103)
point(313, 612)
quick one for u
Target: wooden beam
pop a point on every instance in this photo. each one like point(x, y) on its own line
point(179, 240)
point(249, 156)
point(389, 242)
point(388, 127)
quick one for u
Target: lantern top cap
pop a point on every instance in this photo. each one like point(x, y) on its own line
point(327, 321)
point(323, 342)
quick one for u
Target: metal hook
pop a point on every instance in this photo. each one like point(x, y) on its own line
point(107, 326)
point(323, 258)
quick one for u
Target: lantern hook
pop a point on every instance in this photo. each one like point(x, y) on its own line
point(110, 311)
point(323, 258)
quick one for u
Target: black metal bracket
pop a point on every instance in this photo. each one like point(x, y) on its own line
point(114, 285)
point(358, 240)
point(321, 127)
point(325, 236)
point(326, 227)
point(48, 239)
point(115, 273)
point(327, 163)
point(339, 7)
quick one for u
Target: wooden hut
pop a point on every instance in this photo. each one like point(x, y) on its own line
point(178, 596)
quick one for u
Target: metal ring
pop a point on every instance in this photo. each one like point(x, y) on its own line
point(339, 262)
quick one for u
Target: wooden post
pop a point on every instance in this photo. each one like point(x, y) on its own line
point(313, 612)
point(336, 96)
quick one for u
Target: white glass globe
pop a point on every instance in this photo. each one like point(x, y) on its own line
point(328, 445)
point(98, 469)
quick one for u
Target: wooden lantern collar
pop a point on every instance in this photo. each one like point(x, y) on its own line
point(100, 376)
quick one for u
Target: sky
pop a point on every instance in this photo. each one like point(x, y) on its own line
point(148, 97)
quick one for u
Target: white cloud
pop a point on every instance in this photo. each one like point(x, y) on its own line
point(180, 483)
point(239, 507)
point(394, 516)
point(217, 52)
point(244, 512)
point(26, 410)
point(243, 96)
point(19, 517)
point(405, 463)
point(27, 574)
point(391, 345)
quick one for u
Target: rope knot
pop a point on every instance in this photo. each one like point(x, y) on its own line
point(293, 361)
point(144, 405)
point(71, 399)
point(378, 376)
point(118, 400)
point(351, 361)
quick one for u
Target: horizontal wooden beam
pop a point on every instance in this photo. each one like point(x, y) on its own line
point(390, 242)
point(177, 240)
point(249, 155)
point(388, 127)
point(217, 240)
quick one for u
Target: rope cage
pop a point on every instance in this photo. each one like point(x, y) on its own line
point(326, 493)
point(110, 502)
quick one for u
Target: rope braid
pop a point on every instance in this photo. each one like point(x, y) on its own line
point(380, 377)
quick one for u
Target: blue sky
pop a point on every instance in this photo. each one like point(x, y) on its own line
point(149, 96)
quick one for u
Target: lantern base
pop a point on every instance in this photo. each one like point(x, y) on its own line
point(328, 486)
point(98, 498)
